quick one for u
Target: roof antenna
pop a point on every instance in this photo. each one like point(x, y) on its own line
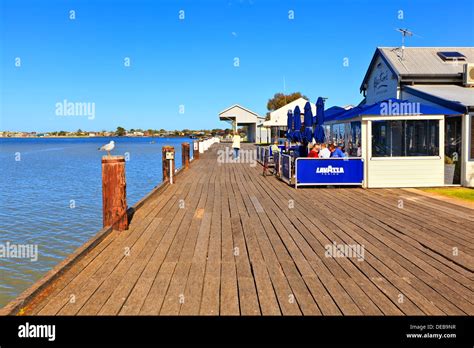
point(405, 32)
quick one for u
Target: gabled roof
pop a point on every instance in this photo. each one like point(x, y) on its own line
point(420, 61)
point(240, 107)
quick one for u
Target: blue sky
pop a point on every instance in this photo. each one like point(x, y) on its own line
point(190, 62)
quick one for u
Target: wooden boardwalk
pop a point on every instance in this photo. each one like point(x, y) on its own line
point(224, 240)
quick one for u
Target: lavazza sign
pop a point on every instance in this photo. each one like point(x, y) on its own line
point(330, 170)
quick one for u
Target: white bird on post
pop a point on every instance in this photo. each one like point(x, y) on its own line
point(108, 147)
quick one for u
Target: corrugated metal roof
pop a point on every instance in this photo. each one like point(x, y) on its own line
point(450, 93)
point(425, 60)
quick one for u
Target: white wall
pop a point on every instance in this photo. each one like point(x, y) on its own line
point(386, 172)
point(401, 171)
point(263, 135)
point(467, 165)
point(381, 84)
point(467, 169)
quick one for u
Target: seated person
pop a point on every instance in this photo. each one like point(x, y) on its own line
point(336, 152)
point(275, 148)
point(359, 150)
point(345, 152)
point(324, 152)
point(314, 153)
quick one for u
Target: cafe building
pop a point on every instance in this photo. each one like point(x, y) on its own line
point(415, 125)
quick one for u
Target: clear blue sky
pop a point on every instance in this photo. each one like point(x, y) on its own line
point(190, 62)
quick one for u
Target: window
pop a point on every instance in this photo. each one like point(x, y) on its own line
point(405, 138)
point(451, 56)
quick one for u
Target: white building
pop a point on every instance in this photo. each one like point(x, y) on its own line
point(279, 118)
point(435, 76)
point(239, 116)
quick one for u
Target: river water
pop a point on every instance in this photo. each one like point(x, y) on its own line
point(51, 198)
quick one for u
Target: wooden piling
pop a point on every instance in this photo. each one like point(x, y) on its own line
point(165, 163)
point(185, 155)
point(114, 195)
point(196, 150)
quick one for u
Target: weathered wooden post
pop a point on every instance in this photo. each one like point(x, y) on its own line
point(185, 155)
point(114, 195)
point(196, 150)
point(167, 156)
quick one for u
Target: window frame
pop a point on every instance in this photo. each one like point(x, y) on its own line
point(373, 155)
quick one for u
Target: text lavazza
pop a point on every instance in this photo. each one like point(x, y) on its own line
point(330, 170)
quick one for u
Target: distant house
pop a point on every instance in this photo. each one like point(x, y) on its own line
point(92, 134)
point(239, 116)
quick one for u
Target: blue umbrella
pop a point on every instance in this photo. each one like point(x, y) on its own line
point(289, 124)
point(297, 124)
point(308, 123)
point(319, 130)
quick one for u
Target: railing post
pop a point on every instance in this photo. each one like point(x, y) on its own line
point(114, 195)
point(166, 163)
point(196, 150)
point(185, 155)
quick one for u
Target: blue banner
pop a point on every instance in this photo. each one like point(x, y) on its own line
point(285, 167)
point(276, 160)
point(340, 171)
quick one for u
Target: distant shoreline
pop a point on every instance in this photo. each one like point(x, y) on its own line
point(98, 136)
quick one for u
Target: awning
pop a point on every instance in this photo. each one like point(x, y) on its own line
point(450, 96)
point(391, 107)
point(331, 113)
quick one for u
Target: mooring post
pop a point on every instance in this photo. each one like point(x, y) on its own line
point(196, 150)
point(185, 155)
point(114, 195)
point(167, 158)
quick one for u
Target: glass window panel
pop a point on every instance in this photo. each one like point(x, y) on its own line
point(405, 138)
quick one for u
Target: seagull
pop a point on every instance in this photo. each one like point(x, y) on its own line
point(108, 147)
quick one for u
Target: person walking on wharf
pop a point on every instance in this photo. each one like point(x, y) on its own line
point(236, 145)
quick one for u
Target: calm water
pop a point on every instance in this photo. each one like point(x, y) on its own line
point(50, 196)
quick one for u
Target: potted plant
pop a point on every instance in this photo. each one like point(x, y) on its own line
point(449, 168)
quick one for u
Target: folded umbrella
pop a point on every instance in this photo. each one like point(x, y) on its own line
point(297, 124)
point(289, 124)
point(308, 123)
point(319, 130)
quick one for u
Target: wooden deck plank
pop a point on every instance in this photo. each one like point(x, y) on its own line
point(244, 244)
